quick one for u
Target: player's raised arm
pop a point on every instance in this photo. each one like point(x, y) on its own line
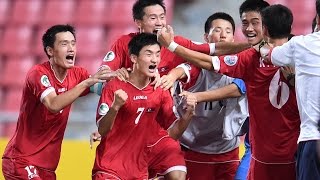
point(55, 102)
point(107, 121)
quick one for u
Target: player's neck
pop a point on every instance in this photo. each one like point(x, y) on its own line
point(138, 79)
point(59, 72)
point(278, 41)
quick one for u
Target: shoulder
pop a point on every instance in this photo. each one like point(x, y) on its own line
point(39, 69)
point(126, 38)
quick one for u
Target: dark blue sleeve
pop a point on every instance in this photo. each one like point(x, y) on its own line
point(241, 85)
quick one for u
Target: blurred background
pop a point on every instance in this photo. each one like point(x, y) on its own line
point(98, 24)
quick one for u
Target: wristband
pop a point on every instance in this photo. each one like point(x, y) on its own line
point(172, 47)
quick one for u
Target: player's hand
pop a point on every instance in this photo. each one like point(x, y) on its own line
point(95, 136)
point(120, 98)
point(156, 80)
point(289, 74)
point(167, 81)
point(123, 74)
point(165, 36)
point(103, 74)
point(191, 102)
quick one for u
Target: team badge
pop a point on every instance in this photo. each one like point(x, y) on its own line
point(109, 56)
point(231, 60)
point(103, 109)
point(45, 81)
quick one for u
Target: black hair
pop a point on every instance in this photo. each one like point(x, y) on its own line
point(218, 15)
point(278, 20)
point(141, 40)
point(49, 37)
point(253, 5)
point(139, 5)
point(314, 23)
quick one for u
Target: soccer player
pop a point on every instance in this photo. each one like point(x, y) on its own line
point(129, 117)
point(302, 52)
point(49, 90)
point(150, 16)
point(210, 142)
point(274, 118)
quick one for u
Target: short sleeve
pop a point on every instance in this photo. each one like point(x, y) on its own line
point(118, 56)
point(105, 102)
point(241, 85)
point(240, 65)
point(39, 84)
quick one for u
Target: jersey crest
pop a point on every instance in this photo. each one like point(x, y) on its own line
point(103, 109)
point(45, 81)
point(230, 60)
point(109, 56)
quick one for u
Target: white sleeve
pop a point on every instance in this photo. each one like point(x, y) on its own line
point(186, 68)
point(283, 55)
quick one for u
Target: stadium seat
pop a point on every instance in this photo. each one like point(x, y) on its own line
point(15, 70)
point(13, 99)
point(120, 13)
point(91, 64)
point(27, 12)
point(7, 128)
point(37, 49)
point(5, 8)
point(91, 12)
point(16, 40)
point(90, 40)
point(59, 12)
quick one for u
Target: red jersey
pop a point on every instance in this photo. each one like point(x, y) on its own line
point(274, 116)
point(39, 132)
point(118, 56)
point(123, 151)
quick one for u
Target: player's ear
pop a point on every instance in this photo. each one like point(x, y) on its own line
point(49, 50)
point(133, 58)
point(138, 23)
point(206, 37)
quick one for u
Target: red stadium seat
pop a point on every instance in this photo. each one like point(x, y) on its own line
point(7, 128)
point(90, 40)
point(91, 12)
point(16, 40)
point(27, 12)
point(37, 49)
point(15, 70)
point(91, 64)
point(5, 6)
point(120, 13)
point(59, 12)
point(13, 99)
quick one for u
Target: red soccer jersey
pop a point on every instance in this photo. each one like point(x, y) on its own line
point(123, 152)
point(274, 116)
point(118, 56)
point(39, 132)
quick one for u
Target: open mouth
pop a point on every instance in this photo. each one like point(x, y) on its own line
point(152, 68)
point(156, 30)
point(69, 57)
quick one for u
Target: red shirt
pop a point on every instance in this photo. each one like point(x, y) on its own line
point(274, 116)
point(137, 125)
point(39, 132)
point(118, 56)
